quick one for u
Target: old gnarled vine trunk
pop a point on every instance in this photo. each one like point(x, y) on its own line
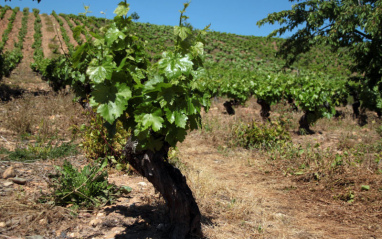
point(228, 107)
point(265, 108)
point(184, 212)
point(305, 122)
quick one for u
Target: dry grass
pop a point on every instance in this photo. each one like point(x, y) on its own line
point(218, 197)
point(23, 210)
point(234, 198)
point(258, 193)
point(44, 116)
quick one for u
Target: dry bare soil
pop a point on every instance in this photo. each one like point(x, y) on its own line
point(308, 188)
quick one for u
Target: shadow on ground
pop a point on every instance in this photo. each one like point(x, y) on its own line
point(7, 93)
point(151, 221)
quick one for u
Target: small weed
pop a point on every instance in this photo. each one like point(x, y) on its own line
point(348, 197)
point(86, 188)
point(290, 188)
point(302, 131)
point(53, 47)
point(207, 125)
point(232, 203)
point(338, 161)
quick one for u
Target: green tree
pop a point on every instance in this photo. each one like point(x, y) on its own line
point(353, 24)
point(135, 16)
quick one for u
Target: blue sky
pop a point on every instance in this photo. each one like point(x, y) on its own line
point(237, 17)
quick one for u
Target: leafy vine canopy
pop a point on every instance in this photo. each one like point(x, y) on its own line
point(159, 102)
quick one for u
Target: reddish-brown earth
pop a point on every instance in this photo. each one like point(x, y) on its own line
point(4, 23)
point(13, 35)
point(48, 35)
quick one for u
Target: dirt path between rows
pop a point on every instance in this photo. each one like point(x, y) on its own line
point(27, 45)
point(48, 34)
point(63, 48)
point(4, 23)
point(69, 32)
point(23, 75)
point(13, 35)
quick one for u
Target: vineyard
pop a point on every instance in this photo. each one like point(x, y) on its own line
point(122, 129)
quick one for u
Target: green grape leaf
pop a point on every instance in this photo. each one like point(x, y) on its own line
point(379, 104)
point(170, 116)
point(175, 135)
point(102, 94)
point(197, 49)
point(182, 32)
point(113, 34)
point(153, 120)
point(124, 91)
point(99, 42)
point(199, 79)
point(108, 111)
point(122, 64)
point(173, 65)
point(77, 31)
point(80, 52)
point(80, 77)
point(180, 119)
point(111, 129)
point(150, 84)
point(137, 75)
point(112, 110)
point(113, 100)
point(98, 74)
point(192, 109)
point(122, 9)
point(151, 143)
point(199, 73)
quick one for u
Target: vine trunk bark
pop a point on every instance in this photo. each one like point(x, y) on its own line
point(292, 105)
point(356, 104)
point(355, 107)
point(228, 107)
point(305, 123)
point(184, 212)
point(265, 108)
